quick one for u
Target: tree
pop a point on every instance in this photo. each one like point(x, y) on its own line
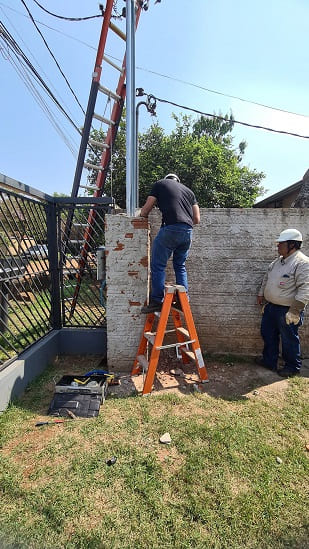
point(200, 151)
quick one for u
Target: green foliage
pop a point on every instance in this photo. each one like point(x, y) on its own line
point(200, 151)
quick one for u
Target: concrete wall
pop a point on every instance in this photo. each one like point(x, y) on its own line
point(230, 253)
point(16, 376)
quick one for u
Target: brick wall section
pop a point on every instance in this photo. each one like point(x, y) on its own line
point(230, 252)
point(127, 277)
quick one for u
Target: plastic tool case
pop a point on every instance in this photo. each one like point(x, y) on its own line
point(80, 395)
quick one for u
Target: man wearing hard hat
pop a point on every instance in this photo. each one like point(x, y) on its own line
point(285, 288)
point(180, 211)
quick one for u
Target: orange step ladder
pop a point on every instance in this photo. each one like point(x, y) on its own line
point(187, 345)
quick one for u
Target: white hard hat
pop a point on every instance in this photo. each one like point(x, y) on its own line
point(172, 176)
point(290, 234)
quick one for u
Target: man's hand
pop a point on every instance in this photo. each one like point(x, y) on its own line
point(260, 299)
point(292, 318)
point(293, 314)
point(149, 204)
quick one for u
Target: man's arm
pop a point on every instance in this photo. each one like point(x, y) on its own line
point(149, 204)
point(196, 214)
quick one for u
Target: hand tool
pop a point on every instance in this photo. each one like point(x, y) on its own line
point(40, 423)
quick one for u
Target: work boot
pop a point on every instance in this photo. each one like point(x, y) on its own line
point(153, 307)
point(286, 372)
point(260, 362)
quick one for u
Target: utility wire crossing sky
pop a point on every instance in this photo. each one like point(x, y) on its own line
point(183, 56)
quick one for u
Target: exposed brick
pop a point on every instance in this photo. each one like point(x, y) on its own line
point(140, 223)
point(119, 246)
point(128, 235)
point(128, 286)
point(144, 261)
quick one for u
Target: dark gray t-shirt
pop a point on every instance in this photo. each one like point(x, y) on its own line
point(174, 200)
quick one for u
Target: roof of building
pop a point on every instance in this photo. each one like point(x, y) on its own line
point(279, 195)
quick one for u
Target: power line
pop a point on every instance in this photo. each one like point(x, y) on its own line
point(173, 78)
point(12, 44)
point(224, 119)
point(22, 72)
point(49, 27)
point(220, 93)
point(34, 58)
point(54, 58)
point(67, 18)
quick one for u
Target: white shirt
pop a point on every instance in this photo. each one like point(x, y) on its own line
point(287, 280)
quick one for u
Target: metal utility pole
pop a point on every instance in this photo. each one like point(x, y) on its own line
point(150, 105)
point(131, 180)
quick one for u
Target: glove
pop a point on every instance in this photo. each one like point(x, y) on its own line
point(292, 318)
point(293, 314)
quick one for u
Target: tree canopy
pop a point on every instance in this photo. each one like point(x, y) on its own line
point(200, 151)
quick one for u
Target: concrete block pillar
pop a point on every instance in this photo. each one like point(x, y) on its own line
point(127, 277)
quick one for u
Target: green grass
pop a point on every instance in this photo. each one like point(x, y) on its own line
point(218, 485)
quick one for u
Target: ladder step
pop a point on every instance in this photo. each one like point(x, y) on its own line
point(89, 187)
point(183, 331)
point(103, 119)
point(108, 92)
point(98, 144)
point(112, 64)
point(142, 360)
point(117, 31)
point(177, 345)
point(189, 354)
point(93, 166)
point(150, 336)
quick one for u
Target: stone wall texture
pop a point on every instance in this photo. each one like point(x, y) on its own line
point(230, 252)
point(127, 278)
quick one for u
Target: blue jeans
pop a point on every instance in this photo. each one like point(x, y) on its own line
point(171, 239)
point(273, 327)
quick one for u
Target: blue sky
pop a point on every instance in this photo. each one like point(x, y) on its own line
point(256, 51)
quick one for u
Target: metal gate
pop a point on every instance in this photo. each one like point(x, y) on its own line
point(82, 277)
point(40, 266)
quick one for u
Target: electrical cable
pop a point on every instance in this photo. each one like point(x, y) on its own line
point(54, 58)
point(50, 28)
point(166, 75)
point(219, 93)
point(192, 109)
point(21, 71)
point(12, 44)
point(68, 18)
point(37, 63)
point(235, 121)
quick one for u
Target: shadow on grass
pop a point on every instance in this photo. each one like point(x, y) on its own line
point(231, 378)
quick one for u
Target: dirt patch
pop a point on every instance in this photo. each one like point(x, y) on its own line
point(229, 380)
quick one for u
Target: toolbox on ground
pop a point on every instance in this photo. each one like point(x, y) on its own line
point(79, 395)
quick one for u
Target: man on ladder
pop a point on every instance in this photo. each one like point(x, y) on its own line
point(180, 212)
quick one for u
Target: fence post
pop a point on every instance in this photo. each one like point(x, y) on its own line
point(4, 305)
point(51, 220)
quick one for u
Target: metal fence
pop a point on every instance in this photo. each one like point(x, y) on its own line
point(49, 271)
point(82, 270)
